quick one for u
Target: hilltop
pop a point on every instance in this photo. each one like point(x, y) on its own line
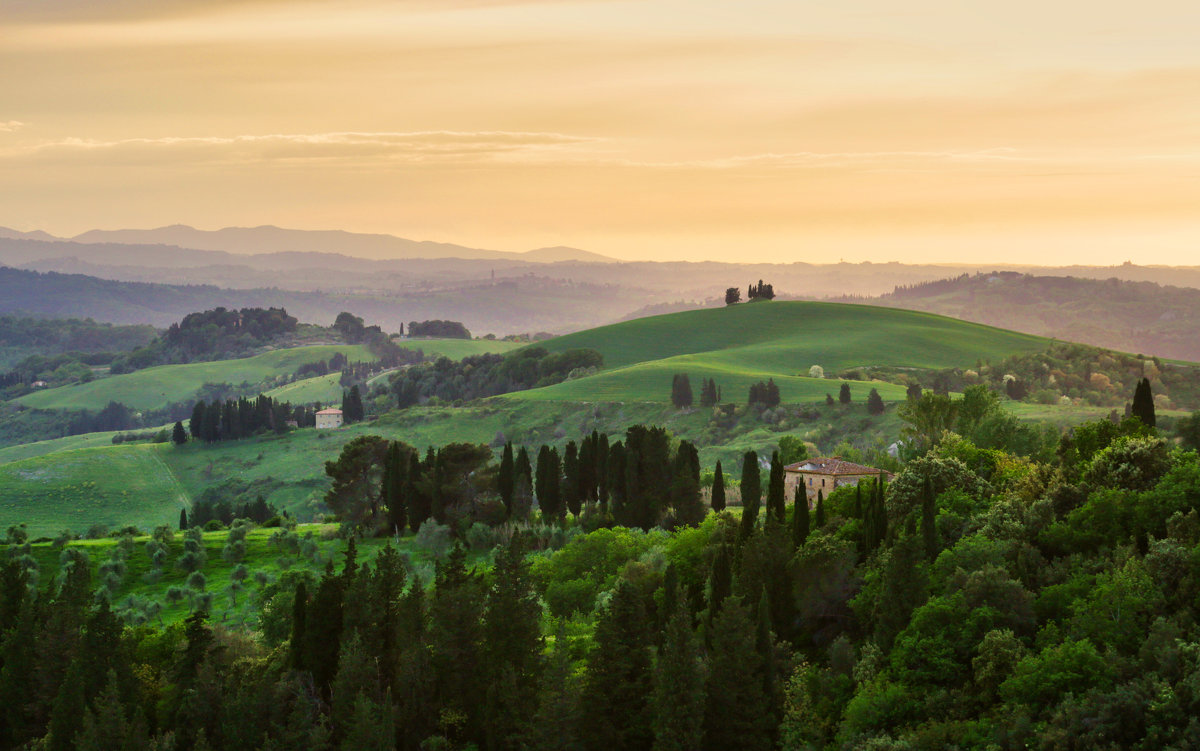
point(742, 344)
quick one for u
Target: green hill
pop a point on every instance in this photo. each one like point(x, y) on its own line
point(75, 489)
point(156, 387)
point(741, 344)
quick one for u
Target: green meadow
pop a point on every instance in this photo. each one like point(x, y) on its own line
point(156, 387)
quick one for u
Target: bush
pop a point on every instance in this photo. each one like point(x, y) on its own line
point(434, 538)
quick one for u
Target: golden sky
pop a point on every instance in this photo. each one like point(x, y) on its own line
point(1047, 131)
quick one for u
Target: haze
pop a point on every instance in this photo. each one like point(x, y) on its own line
point(1023, 132)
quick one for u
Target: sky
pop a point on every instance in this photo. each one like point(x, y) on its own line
point(1053, 132)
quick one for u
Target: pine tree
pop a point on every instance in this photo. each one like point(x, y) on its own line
point(681, 391)
point(776, 510)
point(178, 434)
point(556, 721)
point(505, 478)
point(183, 520)
point(718, 489)
point(618, 683)
point(820, 520)
point(751, 494)
point(679, 685)
point(844, 394)
point(735, 714)
point(720, 582)
point(512, 647)
point(800, 520)
point(929, 520)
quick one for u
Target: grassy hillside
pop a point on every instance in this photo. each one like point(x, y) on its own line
point(789, 337)
point(153, 388)
point(741, 344)
point(113, 486)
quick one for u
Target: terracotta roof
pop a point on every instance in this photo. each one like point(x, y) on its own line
point(330, 411)
point(832, 465)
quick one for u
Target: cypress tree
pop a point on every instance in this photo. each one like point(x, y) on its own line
point(569, 489)
point(618, 683)
point(720, 582)
point(820, 509)
point(196, 423)
point(735, 715)
point(718, 489)
point(775, 491)
point(601, 459)
point(800, 520)
point(844, 394)
point(183, 522)
point(505, 478)
point(299, 609)
point(751, 494)
point(418, 499)
point(929, 520)
point(1143, 403)
point(179, 435)
point(764, 644)
point(875, 404)
point(396, 484)
point(679, 685)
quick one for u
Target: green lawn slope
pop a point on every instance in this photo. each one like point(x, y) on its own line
point(156, 387)
point(75, 489)
point(742, 344)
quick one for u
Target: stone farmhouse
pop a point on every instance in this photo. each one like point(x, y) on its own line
point(329, 419)
point(824, 474)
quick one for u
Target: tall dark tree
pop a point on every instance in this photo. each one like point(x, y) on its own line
point(751, 493)
point(820, 515)
point(679, 685)
point(776, 510)
point(736, 711)
point(718, 489)
point(800, 518)
point(1143, 403)
point(419, 504)
point(569, 490)
point(196, 422)
point(183, 520)
point(549, 483)
point(357, 476)
point(875, 404)
point(685, 485)
point(618, 683)
point(733, 295)
point(505, 478)
point(929, 520)
point(395, 479)
point(512, 647)
point(681, 391)
point(844, 394)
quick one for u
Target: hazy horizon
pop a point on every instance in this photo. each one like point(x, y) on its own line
point(767, 132)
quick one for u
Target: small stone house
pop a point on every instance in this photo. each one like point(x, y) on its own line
point(329, 418)
point(826, 474)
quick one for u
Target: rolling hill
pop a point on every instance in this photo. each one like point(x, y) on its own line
point(741, 344)
point(156, 387)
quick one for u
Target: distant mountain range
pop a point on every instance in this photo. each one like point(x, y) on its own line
point(269, 240)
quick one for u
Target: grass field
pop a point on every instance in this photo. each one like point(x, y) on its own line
point(156, 387)
point(67, 443)
point(113, 486)
point(742, 344)
point(457, 349)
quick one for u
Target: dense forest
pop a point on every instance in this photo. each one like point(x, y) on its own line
point(982, 599)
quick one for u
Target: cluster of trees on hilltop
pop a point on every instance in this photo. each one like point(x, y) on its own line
point(758, 291)
point(480, 376)
point(210, 335)
point(438, 329)
point(241, 418)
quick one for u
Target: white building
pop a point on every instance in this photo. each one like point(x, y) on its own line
point(329, 418)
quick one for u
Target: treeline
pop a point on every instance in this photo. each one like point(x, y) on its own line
point(480, 376)
point(382, 487)
point(765, 393)
point(217, 334)
point(235, 419)
point(681, 391)
point(221, 513)
point(438, 329)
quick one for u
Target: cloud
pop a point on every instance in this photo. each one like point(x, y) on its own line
point(10, 126)
point(442, 146)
